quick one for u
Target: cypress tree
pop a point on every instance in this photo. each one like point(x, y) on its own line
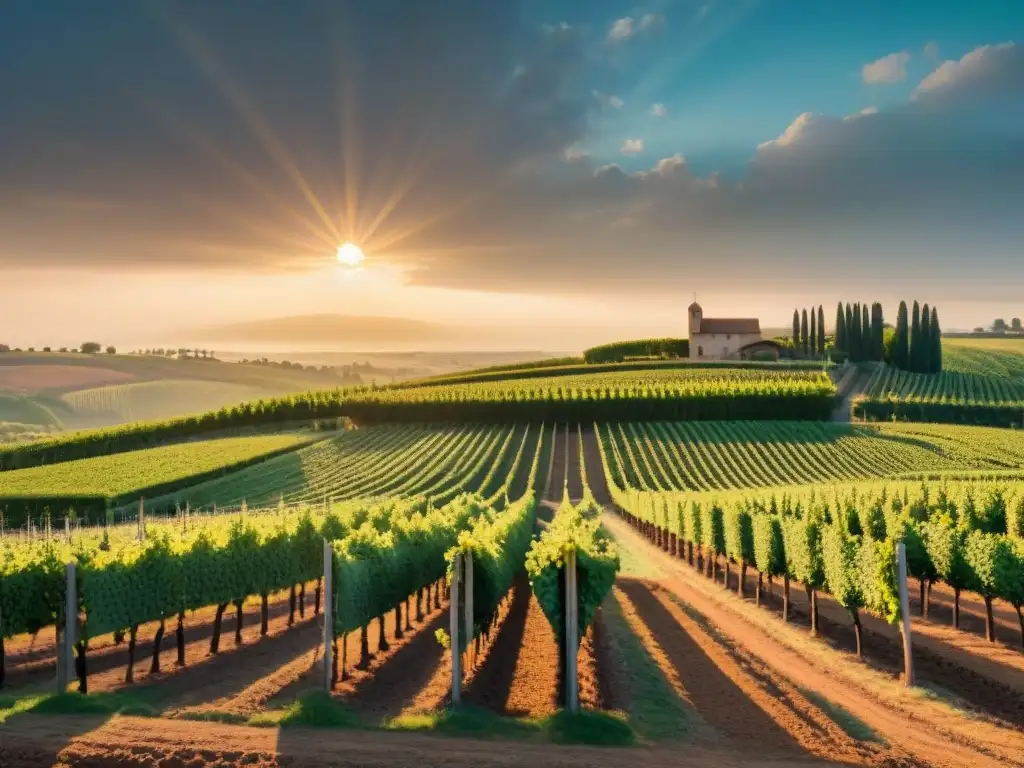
point(901, 344)
point(915, 338)
point(796, 329)
point(935, 335)
point(856, 346)
point(814, 332)
point(867, 343)
point(840, 339)
point(924, 360)
point(804, 339)
point(877, 332)
point(821, 330)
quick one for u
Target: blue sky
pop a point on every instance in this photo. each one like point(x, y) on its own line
point(505, 158)
point(734, 73)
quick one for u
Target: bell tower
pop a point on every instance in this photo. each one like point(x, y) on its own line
point(696, 313)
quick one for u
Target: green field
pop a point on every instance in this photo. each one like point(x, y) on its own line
point(153, 400)
point(989, 357)
point(707, 456)
point(692, 393)
point(445, 460)
point(949, 397)
point(439, 462)
point(89, 482)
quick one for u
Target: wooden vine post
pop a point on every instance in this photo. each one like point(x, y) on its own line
point(66, 672)
point(908, 658)
point(453, 629)
point(467, 591)
point(572, 630)
point(328, 616)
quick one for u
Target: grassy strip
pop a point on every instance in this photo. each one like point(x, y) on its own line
point(588, 727)
point(854, 727)
point(656, 711)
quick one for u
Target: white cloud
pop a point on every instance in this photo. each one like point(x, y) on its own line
point(574, 153)
point(632, 146)
point(888, 69)
point(622, 29)
point(931, 49)
point(862, 113)
point(668, 166)
point(658, 110)
point(990, 67)
point(792, 134)
point(651, 21)
point(608, 100)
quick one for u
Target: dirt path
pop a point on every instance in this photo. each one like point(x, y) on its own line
point(108, 662)
point(556, 480)
point(519, 675)
point(398, 679)
point(740, 700)
point(972, 613)
point(851, 384)
point(32, 741)
point(574, 477)
point(927, 730)
point(987, 677)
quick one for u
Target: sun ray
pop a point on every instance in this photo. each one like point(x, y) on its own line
point(350, 155)
point(239, 170)
point(250, 114)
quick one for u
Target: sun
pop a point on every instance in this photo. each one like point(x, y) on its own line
point(351, 255)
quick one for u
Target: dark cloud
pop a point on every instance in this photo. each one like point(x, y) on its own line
point(188, 134)
point(175, 124)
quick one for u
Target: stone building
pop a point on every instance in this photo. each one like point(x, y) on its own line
point(713, 338)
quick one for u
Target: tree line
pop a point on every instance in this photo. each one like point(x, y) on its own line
point(917, 340)
point(809, 337)
point(914, 344)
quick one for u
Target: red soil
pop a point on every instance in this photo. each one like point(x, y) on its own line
point(31, 378)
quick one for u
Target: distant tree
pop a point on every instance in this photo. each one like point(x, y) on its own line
point(877, 345)
point(796, 329)
point(111, 351)
point(1015, 325)
point(888, 344)
point(31, 349)
point(840, 336)
point(63, 349)
point(999, 325)
point(46, 349)
point(866, 339)
point(848, 314)
point(924, 360)
point(813, 344)
point(936, 339)
point(5, 348)
point(90, 348)
point(821, 330)
point(979, 329)
point(915, 337)
point(901, 344)
point(804, 338)
point(855, 331)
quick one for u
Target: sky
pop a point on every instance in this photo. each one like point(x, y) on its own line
point(552, 173)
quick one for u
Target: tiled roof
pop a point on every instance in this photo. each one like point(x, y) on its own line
point(730, 325)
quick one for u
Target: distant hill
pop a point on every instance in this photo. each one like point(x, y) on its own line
point(46, 392)
point(331, 329)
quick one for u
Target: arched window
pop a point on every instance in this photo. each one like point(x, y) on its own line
point(700, 351)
